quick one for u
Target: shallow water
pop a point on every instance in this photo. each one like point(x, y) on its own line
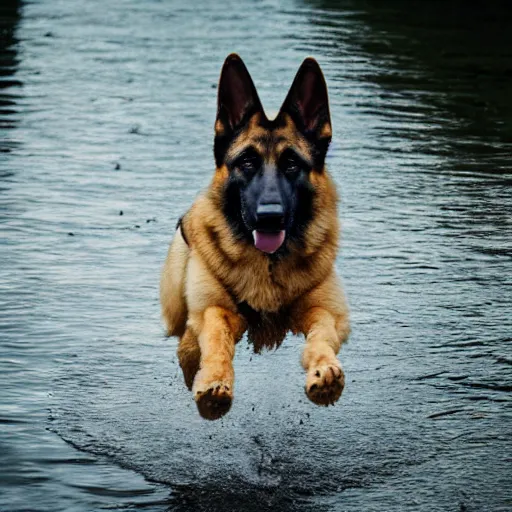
point(106, 122)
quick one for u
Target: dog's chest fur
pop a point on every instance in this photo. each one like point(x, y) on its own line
point(264, 329)
point(264, 289)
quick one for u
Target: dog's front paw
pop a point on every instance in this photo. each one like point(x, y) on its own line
point(213, 396)
point(215, 401)
point(325, 383)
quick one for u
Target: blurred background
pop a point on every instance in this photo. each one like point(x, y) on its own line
point(106, 131)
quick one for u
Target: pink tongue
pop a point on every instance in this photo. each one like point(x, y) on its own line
point(268, 242)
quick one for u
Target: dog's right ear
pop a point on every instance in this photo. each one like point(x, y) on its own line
point(237, 102)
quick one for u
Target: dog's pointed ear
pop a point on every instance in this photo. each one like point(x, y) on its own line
point(307, 104)
point(237, 97)
point(237, 102)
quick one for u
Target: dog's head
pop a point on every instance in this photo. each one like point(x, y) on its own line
point(267, 165)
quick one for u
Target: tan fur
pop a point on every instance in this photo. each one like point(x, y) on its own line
point(205, 284)
point(220, 270)
point(172, 286)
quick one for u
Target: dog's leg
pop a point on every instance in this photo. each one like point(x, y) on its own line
point(325, 379)
point(189, 355)
point(172, 286)
point(213, 384)
point(322, 315)
point(217, 326)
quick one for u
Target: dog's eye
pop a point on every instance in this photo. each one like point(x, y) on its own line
point(248, 163)
point(291, 166)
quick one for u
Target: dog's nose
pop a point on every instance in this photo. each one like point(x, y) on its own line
point(270, 216)
point(269, 210)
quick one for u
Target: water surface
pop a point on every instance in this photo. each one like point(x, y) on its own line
point(106, 123)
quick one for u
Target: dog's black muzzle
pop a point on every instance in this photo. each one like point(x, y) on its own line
point(270, 217)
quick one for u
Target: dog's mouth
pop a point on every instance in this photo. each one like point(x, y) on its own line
point(268, 242)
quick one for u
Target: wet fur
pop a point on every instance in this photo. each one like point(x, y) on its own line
point(217, 285)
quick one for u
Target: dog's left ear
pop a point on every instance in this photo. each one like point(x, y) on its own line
point(307, 104)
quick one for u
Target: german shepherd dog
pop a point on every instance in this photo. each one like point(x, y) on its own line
point(256, 250)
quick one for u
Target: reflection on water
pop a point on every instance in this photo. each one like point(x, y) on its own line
point(444, 67)
point(9, 83)
point(106, 144)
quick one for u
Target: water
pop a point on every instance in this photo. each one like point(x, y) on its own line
point(108, 109)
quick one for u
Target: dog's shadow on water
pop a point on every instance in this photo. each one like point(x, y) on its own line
point(235, 496)
point(294, 489)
